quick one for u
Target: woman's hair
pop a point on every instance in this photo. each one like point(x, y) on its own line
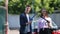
point(42, 13)
point(28, 6)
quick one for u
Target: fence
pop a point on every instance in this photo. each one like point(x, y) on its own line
point(14, 20)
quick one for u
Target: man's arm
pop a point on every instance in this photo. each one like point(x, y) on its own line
point(22, 23)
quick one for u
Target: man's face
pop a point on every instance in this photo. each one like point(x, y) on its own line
point(28, 9)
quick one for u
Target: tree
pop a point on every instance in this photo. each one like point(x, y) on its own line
point(2, 3)
point(18, 6)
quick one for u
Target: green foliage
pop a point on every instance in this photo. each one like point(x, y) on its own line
point(2, 3)
point(18, 6)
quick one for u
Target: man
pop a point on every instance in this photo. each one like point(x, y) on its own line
point(25, 22)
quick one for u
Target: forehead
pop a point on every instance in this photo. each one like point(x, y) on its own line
point(28, 7)
point(43, 10)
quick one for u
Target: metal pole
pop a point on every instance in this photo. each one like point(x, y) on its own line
point(6, 6)
point(33, 15)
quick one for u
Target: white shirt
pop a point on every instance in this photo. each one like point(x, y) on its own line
point(27, 17)
point(43, 23)
point(52, 24)
point(50, 20)
point(27, 29)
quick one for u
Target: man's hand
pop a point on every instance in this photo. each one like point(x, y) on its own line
point(29, 22)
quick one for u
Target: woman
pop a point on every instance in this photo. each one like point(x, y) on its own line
point(44, 23)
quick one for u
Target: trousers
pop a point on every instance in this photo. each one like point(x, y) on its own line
point(45, 31)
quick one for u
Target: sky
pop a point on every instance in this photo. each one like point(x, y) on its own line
point(1, 0)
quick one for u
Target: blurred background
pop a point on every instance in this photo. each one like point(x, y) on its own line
point(16, 7)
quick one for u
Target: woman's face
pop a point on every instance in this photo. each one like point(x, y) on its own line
point(44, 12)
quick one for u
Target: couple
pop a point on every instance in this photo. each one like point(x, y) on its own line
point(44, 22)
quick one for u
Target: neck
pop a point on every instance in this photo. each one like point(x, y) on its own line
point(45, 16)
point(25, 13)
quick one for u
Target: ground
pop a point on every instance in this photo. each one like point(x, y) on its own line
point(13, 31)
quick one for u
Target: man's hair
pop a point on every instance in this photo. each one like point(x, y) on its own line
point(28, 6)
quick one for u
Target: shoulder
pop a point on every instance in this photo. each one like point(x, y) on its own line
point(40, 19)
point(22, 14)
point(49, 18)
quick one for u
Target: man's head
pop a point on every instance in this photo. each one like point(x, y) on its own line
point(27, 9)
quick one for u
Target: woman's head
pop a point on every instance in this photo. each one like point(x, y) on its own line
point(44, 12)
